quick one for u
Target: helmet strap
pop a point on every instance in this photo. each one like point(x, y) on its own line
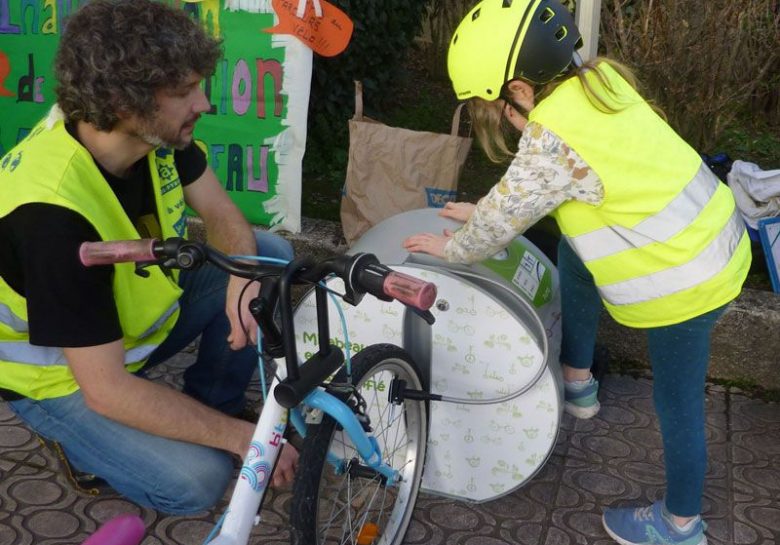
point(576, 59)
point(515, 106)
point(507, 97)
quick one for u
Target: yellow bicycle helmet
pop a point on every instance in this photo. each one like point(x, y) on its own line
point(502, 40)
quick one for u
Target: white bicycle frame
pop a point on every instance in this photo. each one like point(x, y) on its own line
point(267, 440)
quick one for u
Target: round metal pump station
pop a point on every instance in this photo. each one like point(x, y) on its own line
point(492, 354)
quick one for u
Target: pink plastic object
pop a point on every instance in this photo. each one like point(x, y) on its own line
point(121, 530)
point(410, 290)
point(119, 251)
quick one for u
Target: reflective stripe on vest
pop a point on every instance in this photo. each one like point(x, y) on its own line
point(160, 322)
point(701, 268)
point(666, 244)
point(10, 319)
point(28, 354)
point(660, 227)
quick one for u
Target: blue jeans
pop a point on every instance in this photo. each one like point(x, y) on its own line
point(679, 355)
point(170, 476)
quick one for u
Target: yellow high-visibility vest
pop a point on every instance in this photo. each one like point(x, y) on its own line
point(50, 166)
point(667, 243)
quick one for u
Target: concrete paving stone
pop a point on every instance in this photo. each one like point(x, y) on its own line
point(9, 535)
point(601, 484)
point(544, 486)
point(718, 516)
point(611, 460)
point(759, 521)
point(457, 516)
point(525, 534)
point(764, 479)
point(421, 531)
point(580, 524)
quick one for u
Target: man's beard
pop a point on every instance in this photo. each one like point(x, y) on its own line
point(153, 134)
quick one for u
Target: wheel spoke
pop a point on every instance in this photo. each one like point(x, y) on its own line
point(335, 506)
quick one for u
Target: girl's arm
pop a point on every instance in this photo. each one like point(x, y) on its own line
point(544, 174)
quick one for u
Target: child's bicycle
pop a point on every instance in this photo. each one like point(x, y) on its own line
point(362, 456)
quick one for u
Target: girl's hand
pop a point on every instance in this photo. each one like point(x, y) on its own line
point(459, 211)
point(428, 243)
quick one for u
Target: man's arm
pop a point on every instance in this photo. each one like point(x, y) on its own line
point(111, 391)
point(228, 231)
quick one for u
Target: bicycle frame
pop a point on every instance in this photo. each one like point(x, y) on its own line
point(243, 511)
point(295, 384)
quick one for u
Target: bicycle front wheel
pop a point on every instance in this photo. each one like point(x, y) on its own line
point(349, 503)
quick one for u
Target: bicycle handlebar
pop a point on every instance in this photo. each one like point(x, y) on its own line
point(120, 251)
point(361, 273)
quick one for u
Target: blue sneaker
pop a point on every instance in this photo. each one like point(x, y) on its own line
point(651, 525)
point(580, 398)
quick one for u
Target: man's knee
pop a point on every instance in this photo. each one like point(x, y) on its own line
point(195, 487)
point(273, 246)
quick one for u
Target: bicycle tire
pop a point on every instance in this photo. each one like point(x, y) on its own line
point(329, 508)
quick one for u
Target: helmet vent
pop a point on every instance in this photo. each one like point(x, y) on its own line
point(507, 4)
point(546, 15)
point(561, 33)
point(475, 15)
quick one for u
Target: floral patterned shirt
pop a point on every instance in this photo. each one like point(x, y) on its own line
point(544, 174)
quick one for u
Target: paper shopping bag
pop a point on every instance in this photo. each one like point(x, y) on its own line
point(392, 170)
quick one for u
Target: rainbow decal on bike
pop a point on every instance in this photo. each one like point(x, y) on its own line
point(256, 450)
point(255, 470)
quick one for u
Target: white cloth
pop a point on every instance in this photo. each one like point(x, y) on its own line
point(756, 191)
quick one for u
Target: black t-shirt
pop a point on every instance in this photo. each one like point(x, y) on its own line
point(69, 305)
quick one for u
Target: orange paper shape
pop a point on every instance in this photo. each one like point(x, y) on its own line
point(327, 35)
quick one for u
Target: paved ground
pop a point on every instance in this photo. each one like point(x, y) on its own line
point(614, 459)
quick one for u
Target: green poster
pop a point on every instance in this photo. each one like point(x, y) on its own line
point(255, 133)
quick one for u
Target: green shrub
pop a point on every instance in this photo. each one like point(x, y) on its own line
point(384, 31)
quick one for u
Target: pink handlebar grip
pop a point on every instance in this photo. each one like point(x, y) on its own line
point(119, 251)
point(410, 290)
point(121, 530)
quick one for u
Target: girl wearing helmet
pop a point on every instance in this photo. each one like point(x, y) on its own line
point(649, 232)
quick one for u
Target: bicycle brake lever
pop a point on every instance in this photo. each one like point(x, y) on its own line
point(141, 266)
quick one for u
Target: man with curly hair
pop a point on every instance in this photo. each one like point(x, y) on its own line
point(115, 159)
